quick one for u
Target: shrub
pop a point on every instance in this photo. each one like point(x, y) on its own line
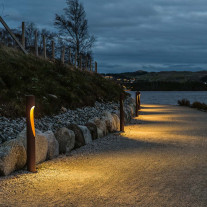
point(199, 105)
point(184, 102)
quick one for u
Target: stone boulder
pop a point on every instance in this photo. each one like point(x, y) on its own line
point(79, 138)
point(86, 134)
point(132, 109)
point(93, 130)
point(117, 122)
point(117, 112)
point(127, 115)
point(101, 127)
point(100, 133)
point(129, 111)
point(66, 140)
point(131, 101)
point(53, 145)
point(110, 122)
point(12, 156)
point(41, 145)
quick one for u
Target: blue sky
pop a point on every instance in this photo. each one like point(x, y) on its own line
point(152, 35)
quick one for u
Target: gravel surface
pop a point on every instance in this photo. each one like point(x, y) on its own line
point(10, 128)
point(160, 161)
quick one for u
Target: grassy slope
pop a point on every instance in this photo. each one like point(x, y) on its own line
point(21, 75)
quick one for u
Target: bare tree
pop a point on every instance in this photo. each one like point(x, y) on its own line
point(73, 25)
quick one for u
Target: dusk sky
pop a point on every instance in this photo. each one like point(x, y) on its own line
point(151, 35)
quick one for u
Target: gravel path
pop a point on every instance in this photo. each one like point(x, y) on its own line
point(159, 161)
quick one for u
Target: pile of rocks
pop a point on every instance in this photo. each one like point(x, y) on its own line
point(74, 129)
point(10, 128)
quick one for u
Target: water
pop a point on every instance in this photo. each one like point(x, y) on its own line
point(171, 97)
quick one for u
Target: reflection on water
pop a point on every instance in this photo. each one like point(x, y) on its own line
point(171, 97)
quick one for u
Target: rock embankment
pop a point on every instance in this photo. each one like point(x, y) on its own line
point(59, 134)
point(9, 128)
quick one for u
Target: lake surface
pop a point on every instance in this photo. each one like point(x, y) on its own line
point(171, 97)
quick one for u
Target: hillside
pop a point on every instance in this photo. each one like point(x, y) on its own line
point(166, 80)
point(173, 76)
point(54, 85)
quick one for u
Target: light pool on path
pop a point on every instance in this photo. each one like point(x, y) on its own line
point(159, 161)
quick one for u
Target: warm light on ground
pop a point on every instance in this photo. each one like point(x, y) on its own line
point(160, 160)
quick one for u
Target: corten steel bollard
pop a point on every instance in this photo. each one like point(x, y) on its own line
point(139, 100)
point(30, 103)
point(122, 112)
point(137, 104)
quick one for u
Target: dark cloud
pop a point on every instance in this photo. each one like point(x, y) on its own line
point(132, 34)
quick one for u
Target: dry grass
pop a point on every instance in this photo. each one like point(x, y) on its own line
point(21, 75)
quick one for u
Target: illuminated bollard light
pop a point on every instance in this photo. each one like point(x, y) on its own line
point(122, 112)
point(137, 104)
point(30, 105)
point(139, 100)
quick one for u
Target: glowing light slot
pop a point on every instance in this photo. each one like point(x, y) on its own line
point(32, 120)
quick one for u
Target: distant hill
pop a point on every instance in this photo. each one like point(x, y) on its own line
point(177, 76)
point(166, 80)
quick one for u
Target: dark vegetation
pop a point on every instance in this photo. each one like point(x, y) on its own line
point(197, 105)
point(184, 102)
point(73, 23)
point(54, 85)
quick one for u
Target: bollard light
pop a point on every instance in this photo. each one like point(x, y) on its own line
point(139, 100)
point(122, 112)
point(30, 105)
point(137, 103)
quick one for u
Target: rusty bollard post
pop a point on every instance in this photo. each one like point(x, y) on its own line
point(122, 112)
point(139, 100)
point(137, 104)
point(30, 104)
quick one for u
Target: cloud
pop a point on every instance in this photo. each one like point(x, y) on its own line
point(132, 34)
